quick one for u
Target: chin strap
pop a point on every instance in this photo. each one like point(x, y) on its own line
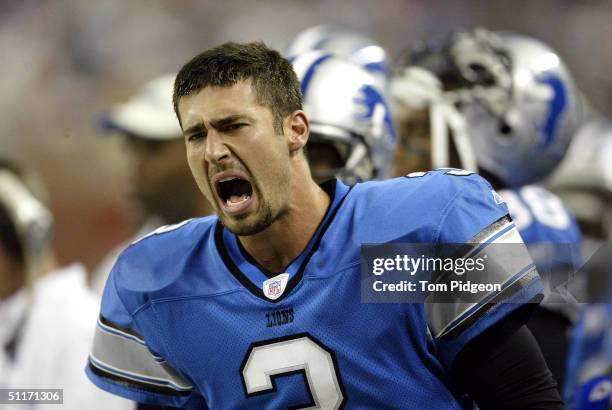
point(419, 89)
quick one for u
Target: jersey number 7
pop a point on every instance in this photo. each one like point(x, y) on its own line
point(301, 353)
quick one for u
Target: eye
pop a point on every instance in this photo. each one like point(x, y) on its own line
point(234, 127)
point(196, 136)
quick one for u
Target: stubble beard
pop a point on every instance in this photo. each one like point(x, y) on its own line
point(266, 217)
point(242, 228)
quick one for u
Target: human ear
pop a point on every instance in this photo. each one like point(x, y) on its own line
point(298, 128)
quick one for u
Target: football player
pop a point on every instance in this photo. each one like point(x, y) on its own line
point(504, 105)
point(583, 181)
point(589, 370)
point(45, 310)
point(589, 367)
point(344, 83)
point(352, 134)
point(259, 306)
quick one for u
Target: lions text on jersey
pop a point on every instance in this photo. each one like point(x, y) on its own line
point(189, 319)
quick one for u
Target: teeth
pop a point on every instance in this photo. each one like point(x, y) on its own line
point(227, 179)
point(235, 200)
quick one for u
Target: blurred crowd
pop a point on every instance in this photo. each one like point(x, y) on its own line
point(82, 80)
point(66, 61)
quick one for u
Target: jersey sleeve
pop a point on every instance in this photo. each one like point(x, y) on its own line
point(477, 224)
point(123, 362)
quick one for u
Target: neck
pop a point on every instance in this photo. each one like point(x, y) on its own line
point(280, 243)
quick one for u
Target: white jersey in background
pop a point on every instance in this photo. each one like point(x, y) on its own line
point(45, 342)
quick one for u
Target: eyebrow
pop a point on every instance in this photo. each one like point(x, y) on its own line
point(199, 127)
point(216, 124)
point(223, 122)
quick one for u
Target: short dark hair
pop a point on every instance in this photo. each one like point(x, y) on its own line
point(275, 83)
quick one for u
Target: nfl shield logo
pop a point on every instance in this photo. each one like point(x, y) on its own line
point(273, 288)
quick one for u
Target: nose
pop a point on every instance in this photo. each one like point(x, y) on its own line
point(216, 150)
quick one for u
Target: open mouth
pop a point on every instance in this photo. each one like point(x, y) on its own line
point(234, 191)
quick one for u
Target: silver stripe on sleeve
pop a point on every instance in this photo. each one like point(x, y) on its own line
point(507, 263)
point(119, 353)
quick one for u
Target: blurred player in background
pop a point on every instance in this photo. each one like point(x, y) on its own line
point(344, 77)
point(161, 183)
point(589, 366)
point(584, 181)
point(46, 312)
point(260, 307)
point(504, 105)
point(351, 129)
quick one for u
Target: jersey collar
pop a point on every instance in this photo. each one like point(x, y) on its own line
point(252, 275)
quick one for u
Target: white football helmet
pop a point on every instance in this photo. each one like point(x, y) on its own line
point(349, 111)
point(354, 47)
point(508, 100)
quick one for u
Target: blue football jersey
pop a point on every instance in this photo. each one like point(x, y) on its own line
point(547, 226)
point(589, 370)
point(185, 320)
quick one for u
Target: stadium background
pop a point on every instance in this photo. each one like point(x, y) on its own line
point(66, 61)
